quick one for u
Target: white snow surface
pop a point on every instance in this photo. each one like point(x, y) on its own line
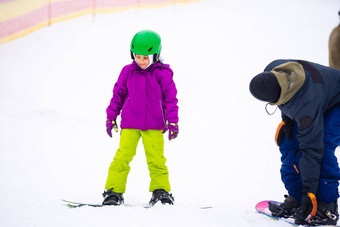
point(56, 83)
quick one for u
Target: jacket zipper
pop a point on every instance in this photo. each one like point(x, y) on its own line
point(160, 102)
point(125, 103)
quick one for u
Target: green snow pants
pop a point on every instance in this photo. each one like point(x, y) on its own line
point(154, 150)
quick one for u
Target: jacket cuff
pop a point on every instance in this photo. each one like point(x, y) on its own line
point(111, 118)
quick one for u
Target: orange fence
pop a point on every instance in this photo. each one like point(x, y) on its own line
point(20, 17)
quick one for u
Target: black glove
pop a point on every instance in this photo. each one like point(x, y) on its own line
point(285, 128)
point(307, 210)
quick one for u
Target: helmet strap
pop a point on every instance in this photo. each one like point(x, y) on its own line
point(155, 57)
point(150, 60)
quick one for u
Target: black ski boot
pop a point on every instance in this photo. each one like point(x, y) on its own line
point(326, 214)
point(113, 198)
point(163, 196)
point(285, 209)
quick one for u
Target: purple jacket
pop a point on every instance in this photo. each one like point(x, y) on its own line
point(146, 98)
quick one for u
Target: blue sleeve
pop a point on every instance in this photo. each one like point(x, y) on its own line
point(310, 136)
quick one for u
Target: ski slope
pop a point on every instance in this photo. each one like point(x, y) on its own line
point(56, 83)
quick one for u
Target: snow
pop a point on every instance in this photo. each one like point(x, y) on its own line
point(56, 83)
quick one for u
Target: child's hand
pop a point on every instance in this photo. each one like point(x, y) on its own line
point(173, 130)
point(109, 126)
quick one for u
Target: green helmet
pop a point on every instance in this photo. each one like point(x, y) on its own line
point(146, 42)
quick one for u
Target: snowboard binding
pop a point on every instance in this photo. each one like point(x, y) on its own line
point(163, 196)
point(112, 198)
point(285, 209)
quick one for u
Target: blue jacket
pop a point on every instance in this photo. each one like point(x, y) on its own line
point(319, 92)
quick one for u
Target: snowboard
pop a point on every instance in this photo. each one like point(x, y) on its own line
point(72, 204)
point(262, 207)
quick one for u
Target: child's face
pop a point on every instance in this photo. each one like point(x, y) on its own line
point(142, 61)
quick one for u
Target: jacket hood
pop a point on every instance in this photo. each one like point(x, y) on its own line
point(291, 77)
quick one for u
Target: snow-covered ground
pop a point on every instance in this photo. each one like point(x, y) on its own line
point(56, 83)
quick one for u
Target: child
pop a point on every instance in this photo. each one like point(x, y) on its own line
point(145, 94)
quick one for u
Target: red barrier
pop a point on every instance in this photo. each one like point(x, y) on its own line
point(19, 18)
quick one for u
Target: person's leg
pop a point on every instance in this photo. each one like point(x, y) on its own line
point(154, 150)
point(330, 172)
point(289, 169)
point(119, 168)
